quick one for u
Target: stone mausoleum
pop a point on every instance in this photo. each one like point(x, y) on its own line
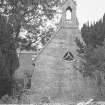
point(55, 75)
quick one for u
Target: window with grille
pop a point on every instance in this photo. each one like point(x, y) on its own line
point(68, 56)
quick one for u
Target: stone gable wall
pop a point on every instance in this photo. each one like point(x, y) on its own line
point(57, 78)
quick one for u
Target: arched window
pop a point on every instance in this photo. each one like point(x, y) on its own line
point(68, 13)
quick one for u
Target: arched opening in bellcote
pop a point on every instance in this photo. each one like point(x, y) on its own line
point(68, 14)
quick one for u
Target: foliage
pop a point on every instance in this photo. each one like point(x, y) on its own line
point(28, 14)
point(80, 45)
point(8, 57)
point(14, 15)
point(94, 34)
point(93, 52)
point(94, 59)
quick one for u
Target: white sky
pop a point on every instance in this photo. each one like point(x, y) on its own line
point(90, 10)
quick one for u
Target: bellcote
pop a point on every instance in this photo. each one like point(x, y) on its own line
point(69, 19)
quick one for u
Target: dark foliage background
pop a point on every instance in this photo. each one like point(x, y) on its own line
point(92, 53)
point(14, 15)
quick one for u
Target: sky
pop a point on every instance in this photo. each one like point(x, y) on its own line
point(90, 10)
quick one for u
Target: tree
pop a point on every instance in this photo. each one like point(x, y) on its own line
point(28, 14)
point(92, 53)
point(14, 15)
point(93, 65)
point(8, 57)
point(94, 34)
